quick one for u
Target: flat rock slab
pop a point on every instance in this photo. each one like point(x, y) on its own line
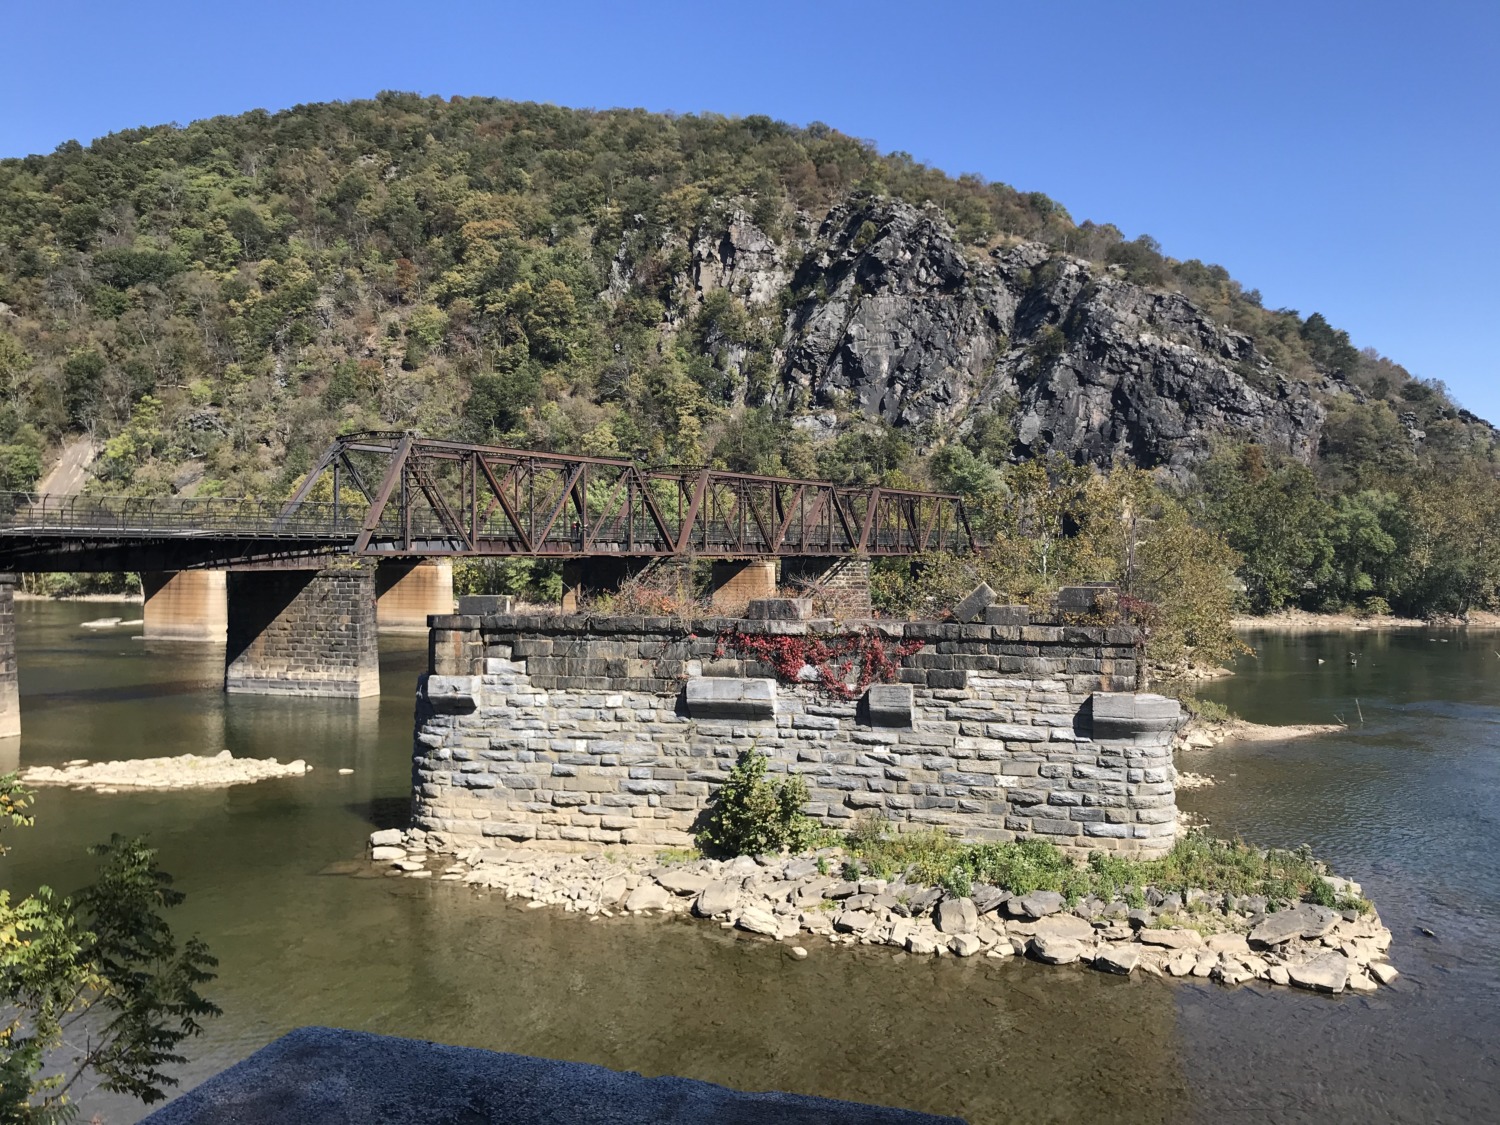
point(1064, 925)
point(1038, 904)
point(1171, 939)
point(322, 1076)
point(683, 882)
point(1121, 959)
point(1304, 921)
point(1327, 972)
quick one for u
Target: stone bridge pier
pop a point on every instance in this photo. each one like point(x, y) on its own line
point(303, 632)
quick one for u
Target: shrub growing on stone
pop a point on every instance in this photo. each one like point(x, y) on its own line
point(752, 815)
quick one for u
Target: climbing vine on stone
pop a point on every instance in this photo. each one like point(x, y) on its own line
point(844, 665)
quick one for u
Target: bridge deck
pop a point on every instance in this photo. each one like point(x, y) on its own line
point(393, 495)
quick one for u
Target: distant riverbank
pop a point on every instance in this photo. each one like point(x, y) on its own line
point(1300, 621)
point(27, 596)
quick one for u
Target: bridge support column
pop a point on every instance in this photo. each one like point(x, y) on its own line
point(10, 688)
point(407, 592)
point(303, 632)
point(595, 575)
point(736, 582)
point(836, 585)
point(185, 605)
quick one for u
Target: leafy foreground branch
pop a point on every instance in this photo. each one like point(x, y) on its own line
point(95, 984)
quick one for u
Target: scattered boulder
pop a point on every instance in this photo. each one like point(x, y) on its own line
point(648, 896)
point(1383, 971)
point(385, 854)
point(859, 922)
point(1055, 950)
point(387, 838)
point(757, 921)
point(957, 916)
point(965, 945)
point(717, 898)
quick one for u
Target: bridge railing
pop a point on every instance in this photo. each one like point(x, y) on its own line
point(177, 516)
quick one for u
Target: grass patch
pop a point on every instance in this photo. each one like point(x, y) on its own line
point(669, 856)
point(1196, 862)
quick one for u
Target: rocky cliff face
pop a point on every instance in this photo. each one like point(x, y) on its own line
point(882, 311)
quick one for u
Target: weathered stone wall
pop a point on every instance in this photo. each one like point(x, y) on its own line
point(302, 632)
point(618, 730)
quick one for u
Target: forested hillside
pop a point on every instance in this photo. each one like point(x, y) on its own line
point(213, 303)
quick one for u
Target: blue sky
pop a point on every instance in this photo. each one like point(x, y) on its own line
point(1339, 156)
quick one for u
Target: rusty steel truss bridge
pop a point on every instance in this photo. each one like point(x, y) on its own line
point(401, 496)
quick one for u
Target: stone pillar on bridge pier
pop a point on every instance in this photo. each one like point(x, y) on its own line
point(838, 585)
point(10, 690)
point(737, 582)
point(407, 592)
point(303, 632)
point(185, 605)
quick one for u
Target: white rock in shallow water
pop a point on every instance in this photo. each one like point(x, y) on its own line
point(757, 921)
point(1383, 971)
point(1327, 972)
point(386, 838)
point(648, 896)
point(964, 945)
point(385, 853)
point(798, 952)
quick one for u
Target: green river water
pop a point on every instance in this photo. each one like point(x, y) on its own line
point(1407, 803)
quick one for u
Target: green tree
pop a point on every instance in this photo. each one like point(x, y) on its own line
point(95, 984)
point(1274, 517)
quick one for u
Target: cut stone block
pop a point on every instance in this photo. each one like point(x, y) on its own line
point(779, 609)
point(486, 604)
point(972, 607)
point(1007, 615)
point(1087, 599)
point(1121, 714)
point(889, 705)
point(452, 695)
point(725, 697)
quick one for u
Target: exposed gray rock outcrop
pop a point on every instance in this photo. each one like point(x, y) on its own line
point(896, 321)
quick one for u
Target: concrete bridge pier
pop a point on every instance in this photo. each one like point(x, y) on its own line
point(736, 582)
point(595, 575)
point(10, 689)
point(185, 605)
point(303, 632)
point(836, 585)
point(407, 592)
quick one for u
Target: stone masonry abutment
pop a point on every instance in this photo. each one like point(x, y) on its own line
point(303, 632)
point(619, 729)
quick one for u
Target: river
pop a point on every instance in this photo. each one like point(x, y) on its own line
point(1406, 802)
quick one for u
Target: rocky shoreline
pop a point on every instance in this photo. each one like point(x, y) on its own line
point(185, 771)
point(793, 899)
point(1205, 736)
